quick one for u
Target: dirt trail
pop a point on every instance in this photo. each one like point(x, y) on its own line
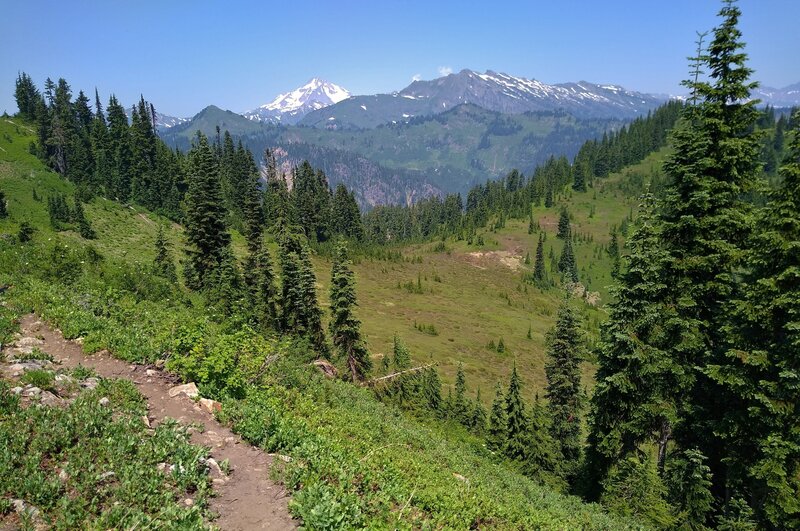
point(247, 498)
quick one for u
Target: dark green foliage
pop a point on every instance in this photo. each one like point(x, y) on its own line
point(460, 408)
point(58, 210)
point(3, 208)
point(635, 489)
point(564, 230)
point(516, 446)
point(225, 287)
point(345, 215)
point(267, 304)
point(762, 360)
point(688, 480)
point(565, 395)
point(539, 271)
point(345, 327)
point(496, 430)
point(27, 97)
point(164, 264)
point(477, 420)
point(401, 357)
point(311, 198)
point(25, 233)
point(543, 461)
point(614, 254)
point(433, 389)
point(566, 263)
point(79, 217)
point(310, 317)
point(206, 232)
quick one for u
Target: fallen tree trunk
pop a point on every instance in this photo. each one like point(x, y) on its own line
point(394, 375)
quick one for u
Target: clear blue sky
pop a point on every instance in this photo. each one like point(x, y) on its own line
point(184, 55)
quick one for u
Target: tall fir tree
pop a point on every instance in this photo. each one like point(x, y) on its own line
point(163, 264)
point(564, 228)
point(345, 328)
point(516, 438)
point(566, 263)
point(401, 357)
point(565, 395)
point(206, 232)
point(497, 427)
point(539, 271)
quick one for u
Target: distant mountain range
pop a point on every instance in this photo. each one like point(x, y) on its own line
point(442, 135)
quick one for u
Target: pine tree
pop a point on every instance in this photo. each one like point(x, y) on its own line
point(163, 264)
point(613, 253)
point(707, 224)
point(311, 316)
point(566, 264)
point(345, 328)
point(635, 489)
point(633, 404)
point(478, 417)
point(688, 481)
point(539, 271)
point(564, 229)
point(565, 395)
point(433, 389)
point(79, 217)
point(460, 410)
point(401, 355)
point(205, 215)
point(763, 353)
point(516, 419)
point(497, 428)
point(543, 458)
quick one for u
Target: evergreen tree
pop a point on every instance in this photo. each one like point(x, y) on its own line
point(688, 480)
point(345, 328)
point(345, 216)
point(564, 230)
point(3, 208)
point(543, 459)
point(497, 428)
point(516, 420)
point(566, 264)
point(564, 393)
point(27, 97)
point(478, 419)
point(267, 294)
point(119, 146)
point(163, 264)
point(539, 271)
point(707, 225)
point(635, 489)
point(401, 355)
point(613, 253)
point(79, 217)
point(311, 316)
point(460, 410)
point(763, 358)
point(205, 215)
point(433, 389)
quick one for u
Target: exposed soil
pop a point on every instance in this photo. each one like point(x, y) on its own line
point(245, 499)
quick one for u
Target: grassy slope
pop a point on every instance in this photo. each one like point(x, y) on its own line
point(483, 299)
point(341, 418)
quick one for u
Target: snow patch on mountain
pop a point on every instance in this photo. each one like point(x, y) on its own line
point(290, 107)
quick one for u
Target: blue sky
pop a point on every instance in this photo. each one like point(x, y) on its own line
point(185, 55)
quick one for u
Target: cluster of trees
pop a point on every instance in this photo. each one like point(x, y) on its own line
point(512, 196)
point(696, 406)
point(62, 216)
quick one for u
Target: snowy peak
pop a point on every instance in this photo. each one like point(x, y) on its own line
point(290, 107)
point(511, 94)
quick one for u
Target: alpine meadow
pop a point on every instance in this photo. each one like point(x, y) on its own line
point(481, 301)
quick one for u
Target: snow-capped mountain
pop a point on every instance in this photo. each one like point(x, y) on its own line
point(784, 97)
point(490, 90)
point(290, 107)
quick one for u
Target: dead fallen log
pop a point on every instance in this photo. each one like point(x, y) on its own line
point(396, 374)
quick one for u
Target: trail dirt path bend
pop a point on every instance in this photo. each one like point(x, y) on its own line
point(247, 498)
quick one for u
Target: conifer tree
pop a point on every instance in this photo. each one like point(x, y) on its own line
point(345, 327)
point(3, 208)
point(566, 264)
point(613, 253)
point(763, 354)
point(401, 355)
point(205, 215)
point(460, 410)
point(311, 313)
point(707, 225)
point(163, 264)
point(564, 229)
point(266, 292)
point(84, 228)
point(543, 458)
point(497, 428)
point(565, 395)
point(539, 271)
point(478, 416)
point(433, 389)
point(516, 420)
